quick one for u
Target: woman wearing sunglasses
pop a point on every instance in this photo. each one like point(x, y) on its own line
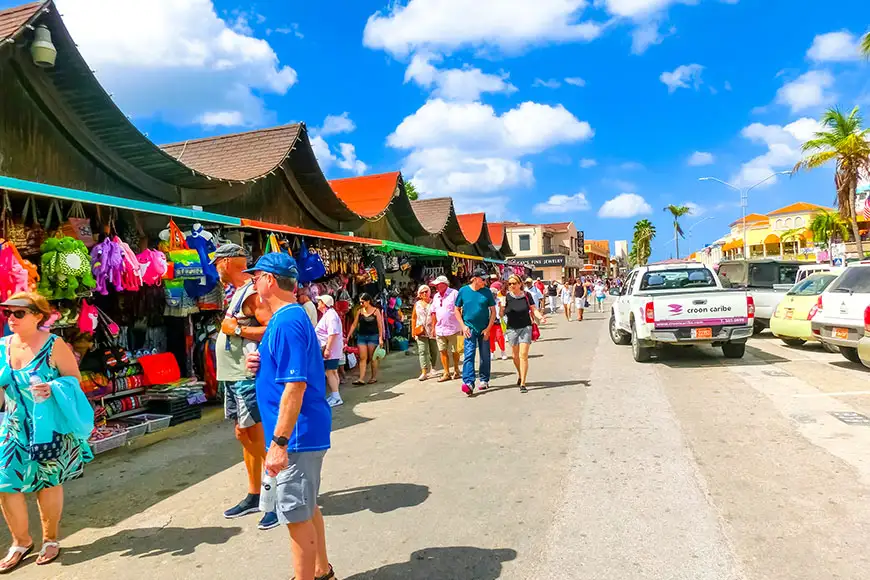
point(519, 310)
point(43, 437)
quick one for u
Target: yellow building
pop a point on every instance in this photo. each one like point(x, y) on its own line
point(782, 233)
point(597, 256)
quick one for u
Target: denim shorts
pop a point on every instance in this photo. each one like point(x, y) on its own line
point(518, 336)
point(368, 339)
point(331, 364)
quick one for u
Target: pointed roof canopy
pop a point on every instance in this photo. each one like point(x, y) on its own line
point(368, 196)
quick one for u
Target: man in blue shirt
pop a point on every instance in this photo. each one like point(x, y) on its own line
point(291, 395)
point(475, 311)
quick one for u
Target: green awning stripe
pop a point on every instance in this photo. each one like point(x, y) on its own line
point(389, 246)
point(491, 261)
point(45, 190)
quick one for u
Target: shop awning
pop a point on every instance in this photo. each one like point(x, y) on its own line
point(389, 246)
point(491, 261)
point(771, 239)
point(464, 256)
point(53, 191)
point(270, 227)
point(732, 245)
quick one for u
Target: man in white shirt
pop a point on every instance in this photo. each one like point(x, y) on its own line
point(304, 298)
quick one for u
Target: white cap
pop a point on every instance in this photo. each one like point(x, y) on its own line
point(441, 280)
point(326, 299)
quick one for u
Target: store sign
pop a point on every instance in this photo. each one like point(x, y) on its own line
point(542, 261)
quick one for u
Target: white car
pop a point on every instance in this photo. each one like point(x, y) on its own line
point(806, 271)
point(838, 320)
point(767, 280)
point(680, 304)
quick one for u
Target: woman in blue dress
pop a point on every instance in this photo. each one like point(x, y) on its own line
point(39, 377)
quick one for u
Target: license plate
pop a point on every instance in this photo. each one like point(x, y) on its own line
point(702, 333)
point(841, 333)
point(789, 312)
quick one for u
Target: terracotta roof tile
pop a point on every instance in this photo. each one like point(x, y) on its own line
point(368, 196)
point(557, 227)
point(496, 234)
point(472, 226)
point(239, 156)
point(12, 19)
point(801, 206)
point(751, 219)
point(433, 213)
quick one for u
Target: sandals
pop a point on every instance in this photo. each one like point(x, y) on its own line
point(328, 576)
point(445, 377)
point(358, 383)
point(42, 560)
point(21, 551)
point(373, 381)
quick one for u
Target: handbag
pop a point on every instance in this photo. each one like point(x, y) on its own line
point(311, 267)
point(536, 332)
point(42, 452)
point(78, 226)
point(27, 238)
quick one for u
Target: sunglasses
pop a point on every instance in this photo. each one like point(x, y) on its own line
point(18, 314)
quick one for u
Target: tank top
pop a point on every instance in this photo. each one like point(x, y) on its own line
point(368, 325)
point(229, 350)
point(517, 311)
point(579, 291)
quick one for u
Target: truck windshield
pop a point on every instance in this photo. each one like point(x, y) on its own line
point(675, 279)
point(812, 286)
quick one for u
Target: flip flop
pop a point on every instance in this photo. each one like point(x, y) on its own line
point(23, 553)
point(373, 381)
point(358, 383)
point(42, 560)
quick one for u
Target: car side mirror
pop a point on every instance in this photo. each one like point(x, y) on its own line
point(615, 292)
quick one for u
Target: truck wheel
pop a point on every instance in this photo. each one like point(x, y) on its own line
point(850, 354)
point(734, 349)
point(617, 335)
point(641, 353)
point(793, 341)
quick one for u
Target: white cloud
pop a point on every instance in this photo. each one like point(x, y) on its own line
point(465, 84)
point(639, 9)
point(177, 61)
point(575, 81)
point(807, 91)
point(683, 77)
point(221, 119)
point(695, 210)
point(563, 204)
point(464, 148)
point(700, 158)
point(645, 36)
point(783, 149)
point(631, 166)
point(435, 25)
point(337, 124)
point(550, 83)
point(587, 163)
point(625, 205)
point(834, 47)
point(346, 159)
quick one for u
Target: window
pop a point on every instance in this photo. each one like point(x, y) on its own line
point(525, 243)
point(788, 223)
point(798, 222)
point(855, 279)
point(683, 278)
point(813, 286)
point(779, 224)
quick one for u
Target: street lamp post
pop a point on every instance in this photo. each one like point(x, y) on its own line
point(744, 200)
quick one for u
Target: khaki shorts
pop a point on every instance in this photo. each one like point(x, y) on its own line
point(448, 343)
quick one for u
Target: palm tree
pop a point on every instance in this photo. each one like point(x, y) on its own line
point(865, 45)
point(678, 211)
point(644, 233)
point(844, 141)
point(411, 191)
point(828, 226)
point(792, 235)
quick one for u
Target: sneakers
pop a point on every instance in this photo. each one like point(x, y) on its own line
point(334, 400)
point(423, 376)
point(467, 389)
point(523, 389)
point(503, 356)
point(483, 386)
point(268, 521)
point(249, 505)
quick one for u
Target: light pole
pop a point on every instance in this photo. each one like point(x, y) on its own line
point(744, 200)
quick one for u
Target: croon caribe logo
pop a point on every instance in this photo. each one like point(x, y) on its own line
point(676, 308)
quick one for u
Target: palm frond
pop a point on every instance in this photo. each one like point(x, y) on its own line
point(865, 45)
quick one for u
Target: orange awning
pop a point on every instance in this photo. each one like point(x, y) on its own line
point(807, 235)
point(269, 227)
point(732, 245)
point(771, 239)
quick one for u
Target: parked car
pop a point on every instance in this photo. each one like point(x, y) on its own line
point(839, 317)
point(767, 281)
point(805, 271)
point(864, 341)
point(680, 304)
point(791, 321)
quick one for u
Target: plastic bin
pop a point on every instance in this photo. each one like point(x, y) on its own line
point(155, 422)
point(134, 427)
point(109, 443)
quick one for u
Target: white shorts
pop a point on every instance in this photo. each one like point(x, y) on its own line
point(579, 302)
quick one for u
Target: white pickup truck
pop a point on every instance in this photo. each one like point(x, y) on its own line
point(681, 303)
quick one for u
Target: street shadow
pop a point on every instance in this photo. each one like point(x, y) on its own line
point(379, 499)
point(535, 386)
point(148, 542)
point(705, 356)
point(849, 365)
point(556, 339)
point(454, 563)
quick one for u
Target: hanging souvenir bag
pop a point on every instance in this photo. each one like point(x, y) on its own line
point(88, 318)
point(131, 276)
point(78, 226)
point(185, 262)
point(311, 267)
point(153, 265)
point(107, 263)
point(27, 237)
point(66, 269)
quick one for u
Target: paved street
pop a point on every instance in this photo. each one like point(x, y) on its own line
point(689, 467)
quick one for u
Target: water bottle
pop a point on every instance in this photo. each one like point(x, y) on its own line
point(248, 349)
point(268, 494)
point(35, 380)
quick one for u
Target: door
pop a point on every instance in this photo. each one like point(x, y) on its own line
point(622, 306)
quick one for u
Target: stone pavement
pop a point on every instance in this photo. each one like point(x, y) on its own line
point(690, 467)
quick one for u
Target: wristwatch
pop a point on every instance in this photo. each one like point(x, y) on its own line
point(238, 331)
point(280, 441)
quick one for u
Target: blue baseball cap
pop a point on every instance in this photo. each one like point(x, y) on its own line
point(277, 264)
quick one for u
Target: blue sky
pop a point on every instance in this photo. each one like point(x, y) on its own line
point(596, 111)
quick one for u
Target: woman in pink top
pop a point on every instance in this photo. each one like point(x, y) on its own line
point(330, 335)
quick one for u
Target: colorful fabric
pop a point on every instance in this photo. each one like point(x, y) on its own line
point(21, 474)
